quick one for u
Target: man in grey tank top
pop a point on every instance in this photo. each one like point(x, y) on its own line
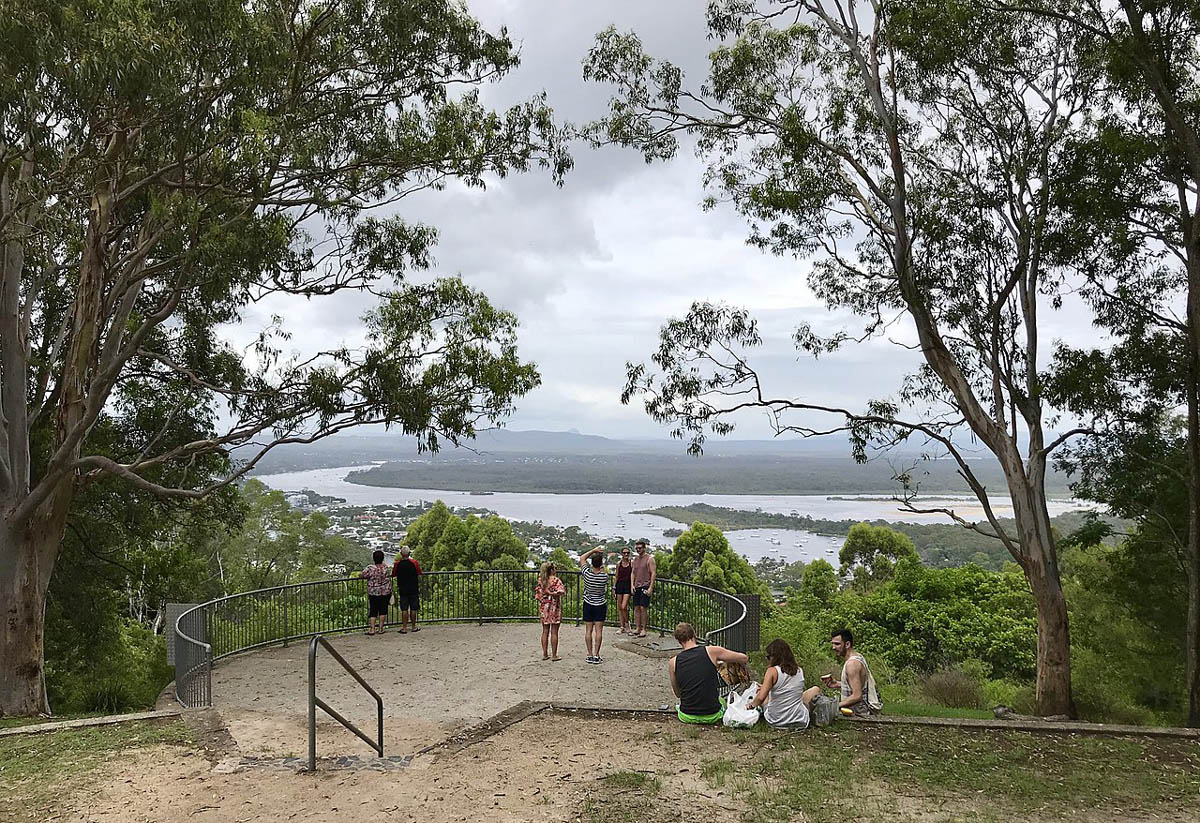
point(857, 685)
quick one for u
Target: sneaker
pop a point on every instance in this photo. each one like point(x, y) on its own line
point(597, 660)
point(593, 659)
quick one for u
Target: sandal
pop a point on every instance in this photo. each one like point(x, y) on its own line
point(545, 657)
point(404, 631)
point(415, 629)
point(555, 659)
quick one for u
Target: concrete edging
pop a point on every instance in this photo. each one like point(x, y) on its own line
point(90, 722)
point(1038, 726)
point(526, 709)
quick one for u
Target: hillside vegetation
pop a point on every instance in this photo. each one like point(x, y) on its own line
point(668, 474)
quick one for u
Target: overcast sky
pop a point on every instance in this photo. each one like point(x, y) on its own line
point(594, 269)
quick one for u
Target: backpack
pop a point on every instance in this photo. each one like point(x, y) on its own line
point(824, 710)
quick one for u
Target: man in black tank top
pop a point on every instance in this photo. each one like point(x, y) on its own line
point(695, 679)
point(407, 572)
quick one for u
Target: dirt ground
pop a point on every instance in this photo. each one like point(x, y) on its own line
point(542, 769)
point(433, 683)
point(549, 767)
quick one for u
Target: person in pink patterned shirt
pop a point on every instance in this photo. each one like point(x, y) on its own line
point(379, 592)
point(549, 593)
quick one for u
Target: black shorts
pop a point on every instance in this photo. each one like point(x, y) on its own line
point(640, 598)
point(408, 602)
point(595, 614)
point(379, 604)
point(623, 588)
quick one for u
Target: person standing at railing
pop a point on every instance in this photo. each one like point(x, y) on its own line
point(623, 588)
point(407, 572)
point(595, 600)
point(644, 572)
point(549, 594)
point(379, 592)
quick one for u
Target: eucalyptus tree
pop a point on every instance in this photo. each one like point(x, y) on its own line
point(1137, 236)
point(911, 150)
point(165, 167)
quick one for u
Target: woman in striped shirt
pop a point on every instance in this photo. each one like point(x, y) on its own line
point(595, 600)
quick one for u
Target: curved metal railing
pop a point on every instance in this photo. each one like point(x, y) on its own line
point(265, 617)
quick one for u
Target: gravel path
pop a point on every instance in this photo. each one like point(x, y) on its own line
point(434, 683)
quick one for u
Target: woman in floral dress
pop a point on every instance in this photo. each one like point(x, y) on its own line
point(549, 593)
point(379, 592)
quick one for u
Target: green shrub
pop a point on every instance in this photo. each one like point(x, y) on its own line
point(124, 670)
point(112, 697)
point(1001, 693)
point(1024, 700)
point(954, 688)
point(1105, 693)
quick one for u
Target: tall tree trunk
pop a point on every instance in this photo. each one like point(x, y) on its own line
point(1040, 564)
point(23, 592)
point(26, 561)
point(1053, 643)
point(29, 540)
point(1192, 394)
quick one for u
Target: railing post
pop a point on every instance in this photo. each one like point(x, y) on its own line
point(312, 705)
point(479, 575)
point(579, 597)
point(286, 631)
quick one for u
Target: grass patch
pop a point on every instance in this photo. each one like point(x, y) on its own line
point(911, 771)
point(641, 781)
point(623, 798)
point(717, 771)
point(36, 769)
point(908, 708)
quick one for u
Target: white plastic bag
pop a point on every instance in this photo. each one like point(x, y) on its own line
point(738, 714)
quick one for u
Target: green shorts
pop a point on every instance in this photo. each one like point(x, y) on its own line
point(701, 719)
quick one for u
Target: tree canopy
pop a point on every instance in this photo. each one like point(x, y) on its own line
point(443, 541)
point(912, 150)
point(165, 168)
point(702, 555)
point(870, 553)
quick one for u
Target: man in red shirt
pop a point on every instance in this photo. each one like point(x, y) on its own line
point(407, 572)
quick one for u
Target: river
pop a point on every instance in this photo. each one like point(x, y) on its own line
point(611, 515)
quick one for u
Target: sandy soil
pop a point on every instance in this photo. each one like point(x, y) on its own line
point(434, 683)
point(542, 769)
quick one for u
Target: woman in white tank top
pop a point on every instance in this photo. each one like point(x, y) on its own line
point(782, 689)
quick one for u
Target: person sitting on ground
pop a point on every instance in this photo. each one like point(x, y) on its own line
point(407, 572)
point(782, 690)
point(595, 601)
point(694, 677)
point(857, 684)
point(379, 593)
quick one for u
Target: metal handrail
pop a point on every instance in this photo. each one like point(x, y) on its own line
point(264, 617)
point(314, 702)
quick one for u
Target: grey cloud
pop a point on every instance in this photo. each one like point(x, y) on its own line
point(594, 269)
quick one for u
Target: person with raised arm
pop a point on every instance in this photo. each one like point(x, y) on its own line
point(595, 600)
